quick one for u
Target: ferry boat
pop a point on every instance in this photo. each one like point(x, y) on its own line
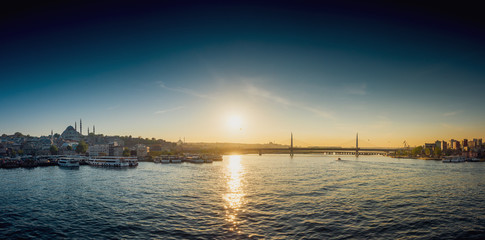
point(175, 159)
point(214, 157)
point(165, 159)
point(162, 159)
point(112, 161)
point(68, 162)
point(194, 159)
point(453, 159)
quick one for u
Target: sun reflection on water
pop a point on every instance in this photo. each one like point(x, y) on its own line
point(235, 193)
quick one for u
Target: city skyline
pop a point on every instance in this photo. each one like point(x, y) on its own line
point(246, 73)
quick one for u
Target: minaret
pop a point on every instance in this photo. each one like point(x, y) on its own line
point(52, 136)
point(94, 129)
point(357, 145)
point(81, 126)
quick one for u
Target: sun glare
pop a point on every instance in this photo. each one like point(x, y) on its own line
point(234, 122)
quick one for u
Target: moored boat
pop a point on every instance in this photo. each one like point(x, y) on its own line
point(194, 159)
point(453, 159)
point(165, 159)
point(112, 161)
point(68, 162)
point(175, 159)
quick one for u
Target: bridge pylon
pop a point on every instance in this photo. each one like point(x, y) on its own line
point(357, 145)
point(291, 146)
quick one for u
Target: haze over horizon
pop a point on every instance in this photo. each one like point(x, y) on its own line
point(246, 72)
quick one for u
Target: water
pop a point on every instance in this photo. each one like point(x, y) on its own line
point(248, 197)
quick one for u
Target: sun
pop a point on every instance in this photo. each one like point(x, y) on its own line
point(234, 122)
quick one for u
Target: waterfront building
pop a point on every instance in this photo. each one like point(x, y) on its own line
point(115, 149)
point(431, 146)
point(64, 149)
point(444, 145)
point(141, 150)
point(98, 150)
point(437, 144)
point(473, 143)
point(454, 144)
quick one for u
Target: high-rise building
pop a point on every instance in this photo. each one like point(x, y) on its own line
point(454, 144)
point(438, 144)
point(444, 145)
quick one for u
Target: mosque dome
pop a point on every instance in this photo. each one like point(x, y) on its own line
point(70, 134)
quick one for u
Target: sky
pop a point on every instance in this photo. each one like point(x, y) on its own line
point(246, 72)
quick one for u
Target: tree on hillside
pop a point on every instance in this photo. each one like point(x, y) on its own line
point(126, 152)
point(427, 151)
point(18, 134)
point(437, 151)
point(417, 150)
point(54, 150)
point(69, 148)
point(82, 147)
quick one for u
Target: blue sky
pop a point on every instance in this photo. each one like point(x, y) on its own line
point(391, 72)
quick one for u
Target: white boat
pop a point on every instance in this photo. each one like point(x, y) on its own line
point(454, 159)
point(110, 161)
point(176, 160)
point(68, 162)
point(212, 157)
point(194, 159)
point(167, 159)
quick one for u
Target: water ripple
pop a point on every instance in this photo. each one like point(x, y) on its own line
point(248, 197)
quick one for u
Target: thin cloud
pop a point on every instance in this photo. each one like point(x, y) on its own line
point(169, 110)
point(112, 107)
point(450, 114)
point(268, 95)
point(285, 102)
point(187, 91)
point(382, 122)
point(356, 89)
point(452, 127)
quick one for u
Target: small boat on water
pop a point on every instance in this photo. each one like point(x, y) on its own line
point(68, 162)
point(112, 161)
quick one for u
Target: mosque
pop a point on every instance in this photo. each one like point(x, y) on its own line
point(72, 134)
